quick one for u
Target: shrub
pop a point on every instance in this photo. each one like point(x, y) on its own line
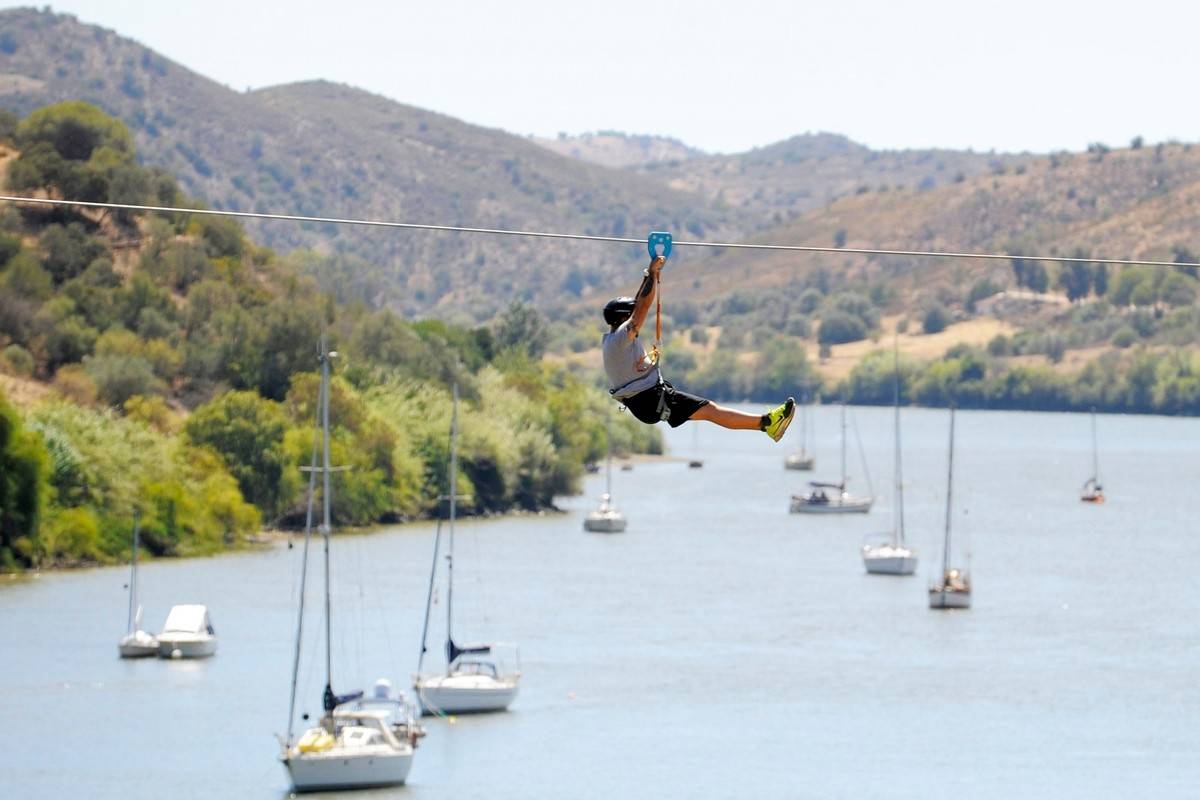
point(120, 377)
point(1124, 337)
point(999, 346)
point(74, 383)
point(838, 327)
point(936, 319)
point(18, 360)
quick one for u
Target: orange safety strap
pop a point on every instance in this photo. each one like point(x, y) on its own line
point(657, 316)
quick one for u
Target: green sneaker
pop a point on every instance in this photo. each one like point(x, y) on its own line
point(776, 420)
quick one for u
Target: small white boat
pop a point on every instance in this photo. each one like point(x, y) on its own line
point(832, 498)
point(359, 742)
point(800, 461)
point(953, 588)
point(952, 591)
point(889, 559)
point(892, 557)
point(606, 518)
point(136, 643)
point(187, 633)
point(477, 678)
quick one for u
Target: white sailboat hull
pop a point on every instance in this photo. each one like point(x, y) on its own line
point(186, 645)
point(843, 505)
point(465, 694)
point(799, 462)
point(138, 644)
point(949, 598)
point(342, 768)
point(604, 522)
point(888, 560)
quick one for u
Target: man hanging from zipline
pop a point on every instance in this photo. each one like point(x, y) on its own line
point(634, 378)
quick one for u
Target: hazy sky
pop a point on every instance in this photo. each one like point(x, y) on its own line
point(723, 76)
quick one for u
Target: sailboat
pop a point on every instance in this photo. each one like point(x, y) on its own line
point(136, 643)
point(832, 498)
point(477, 678)
point(801, 460)
point(359, 742)
point(892, 557)
point(606, 518)
point(695, 462)
point(953, 589)
point(1092, 491)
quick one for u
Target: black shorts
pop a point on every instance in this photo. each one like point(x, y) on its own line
point(679, 405)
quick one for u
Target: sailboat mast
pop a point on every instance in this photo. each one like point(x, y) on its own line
point(453, 514)
point(949, 490)
point(898, 524)
point(137, 524)
point(608, 458)
point(437, 541)
point(843, 445)
point(326, 522)
point(1095, 451)
point(804, 423)
point(308, 524)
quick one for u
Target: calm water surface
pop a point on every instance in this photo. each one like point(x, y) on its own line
point(719, 648)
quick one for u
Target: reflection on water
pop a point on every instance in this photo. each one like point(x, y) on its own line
point(721, 647)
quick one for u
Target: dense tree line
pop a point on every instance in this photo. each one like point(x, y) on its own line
point(1144, 381)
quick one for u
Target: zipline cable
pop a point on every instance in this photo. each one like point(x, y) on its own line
point(793, 248)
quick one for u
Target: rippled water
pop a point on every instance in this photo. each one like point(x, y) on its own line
point(719, 648)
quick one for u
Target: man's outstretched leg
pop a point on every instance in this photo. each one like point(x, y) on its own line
point(774, 423)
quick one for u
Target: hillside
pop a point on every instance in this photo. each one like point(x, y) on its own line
point(327, 150)
point(1133, 203)
point(614, 149)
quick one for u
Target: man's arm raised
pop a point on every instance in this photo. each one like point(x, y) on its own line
point(645, 296)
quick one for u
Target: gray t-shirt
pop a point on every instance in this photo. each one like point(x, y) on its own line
point(625, 363)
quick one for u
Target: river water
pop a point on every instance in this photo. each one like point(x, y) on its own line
point(721, 647)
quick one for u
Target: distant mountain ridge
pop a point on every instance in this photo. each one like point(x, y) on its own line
point(323, 149)
point(327, 150)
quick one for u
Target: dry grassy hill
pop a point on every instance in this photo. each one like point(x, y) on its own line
point(1139, 203)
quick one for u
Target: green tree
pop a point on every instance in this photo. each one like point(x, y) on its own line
point(24, 468)
point(1036, 276)
point(70, 147)
point(522, 327)
point(1075, 278)
point(838, 327)
point(247, 431)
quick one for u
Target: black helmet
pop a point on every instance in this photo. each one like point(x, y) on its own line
point(618, 310)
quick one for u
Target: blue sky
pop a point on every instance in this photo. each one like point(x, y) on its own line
point(723, 76)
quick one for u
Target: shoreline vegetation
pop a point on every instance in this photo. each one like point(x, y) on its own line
point(178, 361)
